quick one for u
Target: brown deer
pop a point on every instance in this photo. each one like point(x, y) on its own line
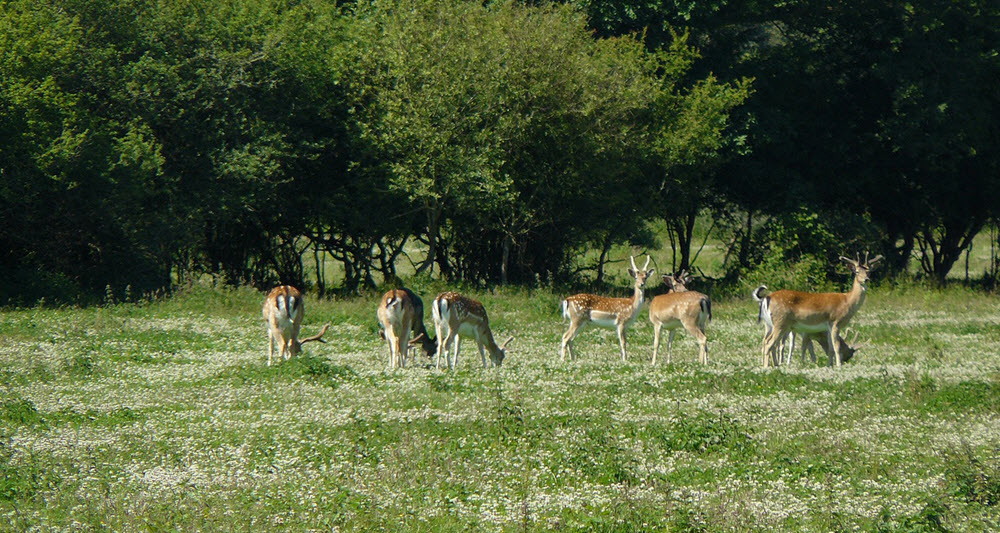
point(401, 314)
point(680, 307)
point(283, 311)
point(618, 313)
point(456, 315)
point(812, 313)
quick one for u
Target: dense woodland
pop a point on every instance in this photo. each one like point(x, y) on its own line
point(144, 143)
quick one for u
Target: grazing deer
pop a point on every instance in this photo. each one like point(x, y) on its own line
point(456, 315)
point(813, 313)
point(847, 347)
point(283, 311)
point(618, 313)
point(680, 307)
point(401, 314)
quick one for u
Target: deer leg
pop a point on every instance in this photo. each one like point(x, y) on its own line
point(270, 347)
point(791, 347)
point(699, 335)
point(621, 340)
point(834, 332)
point(670, 343)
point(400, 353)
point(807, 344)
point(392, 347)
point(769, 345)
point(482, 353)
point(456, 345)
point(567, 340)
point(442, 346)
point(656, 339)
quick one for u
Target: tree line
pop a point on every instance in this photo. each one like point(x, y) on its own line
point(145, 142)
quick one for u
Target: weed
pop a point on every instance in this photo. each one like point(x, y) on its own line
point(972, 478)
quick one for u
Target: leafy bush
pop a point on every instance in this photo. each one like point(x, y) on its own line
point(796, 253)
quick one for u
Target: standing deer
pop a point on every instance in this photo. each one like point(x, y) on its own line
point(812, 313)
point(283, 311)
point(401, 314)
point(847, 348)
point(456, 315)
point(764, 315)
point(618, 313)
point(680, 307)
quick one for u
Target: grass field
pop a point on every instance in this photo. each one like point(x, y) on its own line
point(164, 417)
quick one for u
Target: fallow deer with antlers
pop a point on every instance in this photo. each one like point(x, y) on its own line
point(283, 311)
point(814, 313)
point(617, 313)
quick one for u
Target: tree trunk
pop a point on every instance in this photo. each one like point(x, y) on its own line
point(682, 230)
point(505, 260)
point(433, 235)
point(940, 253)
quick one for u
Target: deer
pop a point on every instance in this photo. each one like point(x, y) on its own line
point(283, 311)
point(814, 313)
point(401, 314)
point(763, 315)
point(680, 307)
point(458, 316)
point(847, 347)
point(619, 313)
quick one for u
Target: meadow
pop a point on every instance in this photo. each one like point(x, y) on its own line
point(163, 416)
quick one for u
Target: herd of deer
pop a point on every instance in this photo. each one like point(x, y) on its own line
point(819, 317)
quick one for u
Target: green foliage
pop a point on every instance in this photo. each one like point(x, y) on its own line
point(930, 519)
point(708, 433)
point(20, 478)
point(973, 478)
point(19, 412)
point(495, 127)
point(801, 252)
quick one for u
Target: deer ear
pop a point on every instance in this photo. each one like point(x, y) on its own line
point(632, 273)
point(650, 272)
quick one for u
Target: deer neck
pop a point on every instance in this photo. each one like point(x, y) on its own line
point(855, 297)
point(637, 298)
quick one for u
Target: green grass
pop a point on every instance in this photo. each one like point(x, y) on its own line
point(164, 416)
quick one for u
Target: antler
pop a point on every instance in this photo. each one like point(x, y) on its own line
point(647, 262)
point(873, 262)
point(316, 337)
point(852, 262)
point(504, 345)
point(853, 341)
